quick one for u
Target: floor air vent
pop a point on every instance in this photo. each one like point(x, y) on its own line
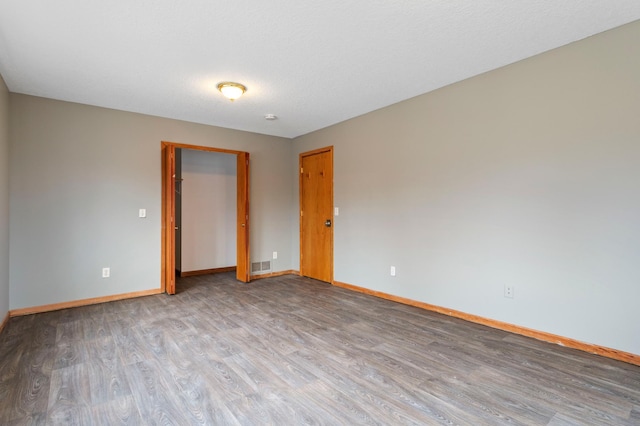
point(261, 266)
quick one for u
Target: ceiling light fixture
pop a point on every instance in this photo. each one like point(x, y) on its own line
point(230, 90)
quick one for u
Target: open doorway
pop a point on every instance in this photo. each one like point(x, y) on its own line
point(206, 192)
point(170, 182)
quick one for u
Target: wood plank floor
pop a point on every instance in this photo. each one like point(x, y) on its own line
point(290, 350)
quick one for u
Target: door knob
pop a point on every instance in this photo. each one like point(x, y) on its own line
point(327, 223)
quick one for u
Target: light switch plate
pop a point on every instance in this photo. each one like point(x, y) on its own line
point(142, 213)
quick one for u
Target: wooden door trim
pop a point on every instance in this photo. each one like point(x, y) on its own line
point(167, 260)
point(167, 245)
point(300, 157)
point(202, 148)
point(243, 264)
point(316, 151)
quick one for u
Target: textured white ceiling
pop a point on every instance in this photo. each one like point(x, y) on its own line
point(312, 64)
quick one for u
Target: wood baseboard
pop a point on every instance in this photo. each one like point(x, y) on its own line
point(4, 323)
point(523, 331)
point(83, 302)
point(112, 298)
point(207, 271)
point(274, 274)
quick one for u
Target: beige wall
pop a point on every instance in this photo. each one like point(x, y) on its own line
point(79, 174)
point(528, 176)
point(4, 200)
point(209, 207)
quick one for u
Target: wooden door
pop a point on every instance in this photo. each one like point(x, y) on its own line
point(316, 214)
point(168, 279)
point(242, 257)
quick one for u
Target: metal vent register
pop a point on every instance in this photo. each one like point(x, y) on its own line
point(261, 266)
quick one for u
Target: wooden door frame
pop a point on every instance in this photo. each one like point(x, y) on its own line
point(167, 271)
point(300, 180)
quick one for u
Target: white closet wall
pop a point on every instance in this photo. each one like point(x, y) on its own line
point(208, 210)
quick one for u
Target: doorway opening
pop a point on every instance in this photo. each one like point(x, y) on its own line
point(170, 182)
point(206, 192)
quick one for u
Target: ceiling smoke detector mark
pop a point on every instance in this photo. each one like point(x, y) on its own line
point(270, 117)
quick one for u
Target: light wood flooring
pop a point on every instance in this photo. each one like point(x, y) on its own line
point(290, 351)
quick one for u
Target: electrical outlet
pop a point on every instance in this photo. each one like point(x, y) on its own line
point(508, 291)
point(275, 254)
point(106, 272)
point(392, 271)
